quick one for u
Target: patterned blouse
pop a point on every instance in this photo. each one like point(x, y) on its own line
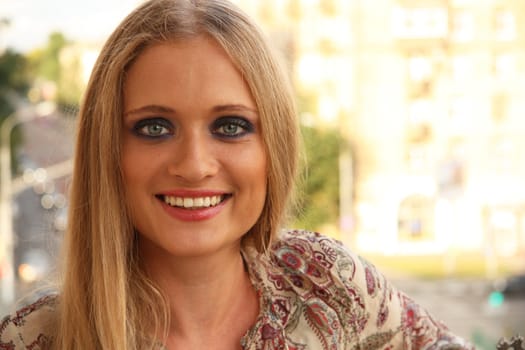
point(314, 294)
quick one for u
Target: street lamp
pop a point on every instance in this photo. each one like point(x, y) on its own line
point(6, 220)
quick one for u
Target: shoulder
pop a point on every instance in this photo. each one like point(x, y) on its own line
point(322, 271)
point(314, 266)
point(303, 241)
point(28, 327)
point(299, 251)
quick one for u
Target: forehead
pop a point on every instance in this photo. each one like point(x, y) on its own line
point(192, 69)
point(183, 53)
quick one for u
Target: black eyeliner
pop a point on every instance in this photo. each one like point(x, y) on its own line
point(142, 123)
point(248, 126)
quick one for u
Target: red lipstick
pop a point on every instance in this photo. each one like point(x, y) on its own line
point(194, 213)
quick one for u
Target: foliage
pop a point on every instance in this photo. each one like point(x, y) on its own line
point(69, 86)
point(319, 191)
point(13, 72)
point(48, 65)
point(45, 62)
point(14, 79)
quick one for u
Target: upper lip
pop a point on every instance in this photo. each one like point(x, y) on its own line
point(192, 193)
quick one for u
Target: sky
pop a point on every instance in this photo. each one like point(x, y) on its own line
point(31, 21)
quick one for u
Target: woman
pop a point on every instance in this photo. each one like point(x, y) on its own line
point(186, 157)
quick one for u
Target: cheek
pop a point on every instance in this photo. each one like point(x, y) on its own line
point(138, 163)
point(137, 171)
point(253, 164)
point(130, 171)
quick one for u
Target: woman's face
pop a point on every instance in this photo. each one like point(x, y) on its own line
point(193, 157)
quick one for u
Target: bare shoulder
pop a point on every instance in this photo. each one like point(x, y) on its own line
point(29, 327)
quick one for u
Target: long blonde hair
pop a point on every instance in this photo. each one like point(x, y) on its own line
point(107, 302)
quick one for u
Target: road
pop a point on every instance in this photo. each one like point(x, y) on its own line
point(463, 305)
point(47, 141)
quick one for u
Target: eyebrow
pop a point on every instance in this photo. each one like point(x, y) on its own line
point(216, 109)
point(233, 107)
point(150, 109)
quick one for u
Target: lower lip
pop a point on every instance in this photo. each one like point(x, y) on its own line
point(193, 214)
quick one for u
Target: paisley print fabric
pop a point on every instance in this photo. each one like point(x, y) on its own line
point(26, 329)
point(314, 294)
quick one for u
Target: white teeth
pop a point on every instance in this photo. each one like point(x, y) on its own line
point(192, 203)
point(188, 202)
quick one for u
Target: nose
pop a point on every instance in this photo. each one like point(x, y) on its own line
point(193, 158)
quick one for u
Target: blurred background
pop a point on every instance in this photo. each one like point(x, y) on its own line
point(413, 114)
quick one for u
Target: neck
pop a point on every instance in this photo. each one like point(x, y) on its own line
point(207, 295)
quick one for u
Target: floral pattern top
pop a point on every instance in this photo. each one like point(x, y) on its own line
point(314, 294)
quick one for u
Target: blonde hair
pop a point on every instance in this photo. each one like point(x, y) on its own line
point(107, 302)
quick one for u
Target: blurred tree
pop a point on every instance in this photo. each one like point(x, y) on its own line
point(54, 63)
point(45, 62)
point(319, 191)
point(14, 80)
point(13, 71)
point(70, 85)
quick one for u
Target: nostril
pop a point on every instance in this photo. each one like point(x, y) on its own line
point(192, 167)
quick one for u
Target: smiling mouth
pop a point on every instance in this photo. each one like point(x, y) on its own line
point(193, 202)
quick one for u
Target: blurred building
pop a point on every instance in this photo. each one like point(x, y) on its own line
point(430, 95)
point(76, 62)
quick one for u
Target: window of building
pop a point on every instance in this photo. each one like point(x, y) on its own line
point(420, 68)
point(420, 73)
point(503, 157)
point(451, 175)
point(460, 115)
point(328, 7)
point(266, 12)
point(462, 26)
point(462, 68)
point(416, 218)
point(504, 66)
point(419, 134)
point(419, 23)
point(336, 30)
point(504, 25)
point(418, 157)
point(420, 111)
point(499, 107)
point(294, 10)
point(502, 225)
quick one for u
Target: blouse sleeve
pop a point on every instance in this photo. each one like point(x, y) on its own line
point(388, 315)
point(26, 328)
point(10, 338)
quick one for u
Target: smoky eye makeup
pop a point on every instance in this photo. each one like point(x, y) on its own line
point(232, 127)
point(152, 128)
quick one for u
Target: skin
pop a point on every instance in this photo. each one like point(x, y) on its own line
point(191, 128)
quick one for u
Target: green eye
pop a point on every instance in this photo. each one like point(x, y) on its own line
point(153, 127)
point(154, 130)
point(231, 127)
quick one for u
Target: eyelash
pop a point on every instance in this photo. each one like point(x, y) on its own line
point(140, 128)
point(239, 122)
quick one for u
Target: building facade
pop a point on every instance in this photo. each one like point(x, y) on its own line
point(430, 95)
